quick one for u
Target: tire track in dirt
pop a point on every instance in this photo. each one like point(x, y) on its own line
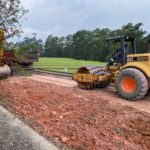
point(107, 93)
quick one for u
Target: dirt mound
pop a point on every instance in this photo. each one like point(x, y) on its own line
point(74, 118)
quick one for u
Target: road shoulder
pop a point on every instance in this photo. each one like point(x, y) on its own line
point(16, 135)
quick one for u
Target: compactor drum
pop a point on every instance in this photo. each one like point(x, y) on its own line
point(91, 79)
point(128, 71)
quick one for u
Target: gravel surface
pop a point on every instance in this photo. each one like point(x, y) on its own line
point(108, 93)
point(15, 135)
point(54, 80)
point(73, 118)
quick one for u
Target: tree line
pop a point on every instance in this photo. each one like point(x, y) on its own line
point(84, 44)
point(91, 45)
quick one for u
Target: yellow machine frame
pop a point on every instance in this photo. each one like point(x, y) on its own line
point(142, 63)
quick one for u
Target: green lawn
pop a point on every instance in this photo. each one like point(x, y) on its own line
point(63, 64)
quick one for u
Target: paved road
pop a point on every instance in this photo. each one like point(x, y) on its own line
point(15, 135)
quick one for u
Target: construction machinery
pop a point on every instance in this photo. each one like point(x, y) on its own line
point(10, 61)
point(4, 68)
point(127, 71)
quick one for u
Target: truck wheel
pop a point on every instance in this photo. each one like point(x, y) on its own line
point(131, 84)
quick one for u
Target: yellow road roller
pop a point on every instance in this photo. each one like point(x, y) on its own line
point(128, 71)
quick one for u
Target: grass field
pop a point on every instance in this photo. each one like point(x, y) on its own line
point(63, 64)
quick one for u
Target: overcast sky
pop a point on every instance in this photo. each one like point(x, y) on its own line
point(63, 17)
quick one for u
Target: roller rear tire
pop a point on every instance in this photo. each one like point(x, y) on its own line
point(131, 84)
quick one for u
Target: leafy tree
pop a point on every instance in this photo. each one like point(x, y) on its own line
point(8, 46)
point(81, 44)
point(133, 30)
point(99, 45)
point(11, 13)
point(30, 44)
point(54, 46)
point(147, 43)
point(68, 50)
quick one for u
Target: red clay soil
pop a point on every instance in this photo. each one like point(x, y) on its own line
point(76, 119)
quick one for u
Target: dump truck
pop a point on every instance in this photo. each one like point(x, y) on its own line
point(129, 73)
point(5, 70)
point(11, 60)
